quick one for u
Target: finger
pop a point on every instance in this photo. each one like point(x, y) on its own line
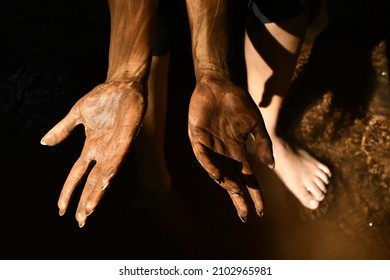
point(234, 186)
point(229, 180)
point(240, 205)
point(209, 163)
point(220, 170)
point(77, 173)
point(97, 193)
point(257, 199)
point(249, 179)
point(96, 186)
point(264, 145)
point(60, 131)
point(93, 183)
point(99, 178)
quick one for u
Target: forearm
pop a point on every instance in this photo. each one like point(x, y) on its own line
point(209, 34)
point(132, 28)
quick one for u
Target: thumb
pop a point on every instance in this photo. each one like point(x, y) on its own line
point(264, 146)
point(60, 131)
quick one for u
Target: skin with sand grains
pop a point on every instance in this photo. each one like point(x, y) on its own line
point(221, 114)
point(113, 112)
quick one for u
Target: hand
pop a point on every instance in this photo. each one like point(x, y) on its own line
point(111, 114)
point(221, 117)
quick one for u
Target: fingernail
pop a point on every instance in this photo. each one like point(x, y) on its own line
point(105, 186)
point(217, 181)
point(243, 219)
point(80, 219)
point(260, 214)
point(61, 212)
point(43, 142)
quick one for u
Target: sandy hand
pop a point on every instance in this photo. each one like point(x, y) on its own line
point(111, 114)
point(221, 117)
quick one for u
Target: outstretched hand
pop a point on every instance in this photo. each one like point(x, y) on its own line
point(221, 117)
point(111, 114)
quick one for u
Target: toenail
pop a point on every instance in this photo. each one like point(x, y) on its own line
point(313, 204)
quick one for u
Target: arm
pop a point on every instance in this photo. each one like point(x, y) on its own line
point(221, 114)
point(113, 111)
point(209, 36)
point(132, 26)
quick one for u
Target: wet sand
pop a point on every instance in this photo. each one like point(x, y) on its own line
point(338, 109)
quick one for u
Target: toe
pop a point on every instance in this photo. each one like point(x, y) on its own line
point(325, 169)
point(315, 191)
point(307, 199)
point(320, 184)
point(313, 204)
point(323, 176)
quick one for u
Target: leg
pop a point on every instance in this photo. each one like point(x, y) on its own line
point(153, 174)
point(271, 51)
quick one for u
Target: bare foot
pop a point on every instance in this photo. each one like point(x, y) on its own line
point(303, 175)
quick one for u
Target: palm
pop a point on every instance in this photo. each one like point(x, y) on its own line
point(111, 114)
point(221, 117)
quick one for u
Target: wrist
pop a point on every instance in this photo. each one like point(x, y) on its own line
point(211, 73)
point(134, 83)
point(129, 74)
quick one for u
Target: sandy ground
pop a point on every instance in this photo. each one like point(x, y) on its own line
point(338, 109)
